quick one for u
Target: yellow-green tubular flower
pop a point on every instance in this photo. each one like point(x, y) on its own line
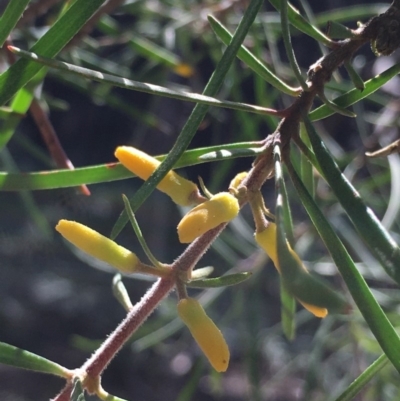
point(179, 189)
point(311, 292)
point(98, 246)
point(221, 208)
point(205, 332)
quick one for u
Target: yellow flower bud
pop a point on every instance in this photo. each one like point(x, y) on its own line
point(221, 208)
point(143, 165)
point(237, 180)
point(98, 246)
point(205, 332)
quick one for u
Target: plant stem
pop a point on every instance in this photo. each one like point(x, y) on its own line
point(139, 313)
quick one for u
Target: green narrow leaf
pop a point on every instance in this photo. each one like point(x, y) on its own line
point(353, 74)
point(17, 357)
point(141, 86)
point(10, 17)
point(288, 302)
point(358, 288)
point(351, 13)
point(288, 44)
point(224, 281)
point(49, 45)
point(306, 167)
point(145, 47)
point(77, 393)
point(364, 378)
point(288, 312)
point(20, 104)
point(196, 117)
point(251, 60)
point(364, 220)
point(333, 106)
point(138, 233)
point(338, 31)
point(354, 96)
point(302, 24)
point(120, 292)
point(115, 171)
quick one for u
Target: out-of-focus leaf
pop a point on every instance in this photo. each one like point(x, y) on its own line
point(49, 45)
point(252, 61)
point(10, 17)
point(370, 229)
point(373, 314)
point(298, 21)
point(13, 356)
point(365, 377)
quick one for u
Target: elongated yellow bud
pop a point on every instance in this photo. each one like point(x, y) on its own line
point(98, 245)
point(143, 165)
point(221, 208)
point(205, 332)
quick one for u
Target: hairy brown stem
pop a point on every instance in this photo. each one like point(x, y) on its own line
point(65, 394)
point(139, 313)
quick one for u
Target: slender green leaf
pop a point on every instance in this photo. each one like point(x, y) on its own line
point(141, 86)
point(250, 60)
point(224, 281)
point(141, 45)
point(288, 44)
point(49, 45)
point(367, 224)
point(10, 17)
point(197, 115)
point(359, 290)
point(138, 232)
point(307, 170)
point(351, 13)
point(77, 393)
point(120, 292)
point(334, 107)
point(288, 312)
point(364, 378)
point(354, 76)
point(20, 105)
point(115, 171)
point(301, 23)
point(13, 356)
point(354, 95)
point(288, 302)
point(339, 31)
